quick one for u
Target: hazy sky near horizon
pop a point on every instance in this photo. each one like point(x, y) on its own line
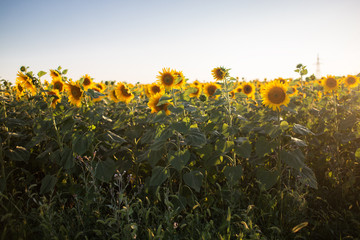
point(132, 40)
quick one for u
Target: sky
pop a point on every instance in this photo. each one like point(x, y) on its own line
point(132, 40)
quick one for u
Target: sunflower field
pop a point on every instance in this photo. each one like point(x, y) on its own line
point(225, 159)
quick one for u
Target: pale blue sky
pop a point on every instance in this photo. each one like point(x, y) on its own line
point(132, 40)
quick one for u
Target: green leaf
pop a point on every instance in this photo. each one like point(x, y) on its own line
point(64, 71)
point(348, 122)
point(47, 184)
point(307, 177)
point(164, 99)
point(195, 138)
point(18, 154)
point(41, 73)
point(233, 173)
point(158, 176)
point(244, 149)
point(176, 110)
point(300, 129)
point(94, 94)
point(193, 179)
point(180, 127)
point(179, 159)
point(262, 146)
point(298, 142)
point(67, 158)
point(82, 142)
point(105, 170)
point(267, 178)
point(357, 153)
point(294, 159)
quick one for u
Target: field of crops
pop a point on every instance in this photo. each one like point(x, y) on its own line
point(180, 159)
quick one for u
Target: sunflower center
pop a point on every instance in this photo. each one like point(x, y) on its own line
point(331, 82)
point(155, 89)
point(58, 86)
point(276, 95)
point(282, 81)
point(125, 92)
point(20, 88)
point(211, 90)
point(168, 79)
point(239, 90)
point(86, 81)
point(350, 80)
point(76, 92)
point(247, 89)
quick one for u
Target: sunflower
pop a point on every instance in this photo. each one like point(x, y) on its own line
point(58, 84)
point(330, 83)
point(167, 78)
point(55, 74)
point(87, 82)
point(219, 73)
point(154, 89)
point(294, 91)
point(19, 90)
point(26, 82)
point(196, 83)
point(281, 80)
point(153, 102)
point(232, 93)
point(274, 95)
point(123, 93)
point(74, 92)
point(180, 81)
point(249, 89)
point(210, 89)
point(54, 96)
point(197, 91)
point(112, 96)
point(100, 86)
point(351, 81)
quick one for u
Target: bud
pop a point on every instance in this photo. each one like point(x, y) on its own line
point(202, 98)
point(22, 69)
point(284, 125)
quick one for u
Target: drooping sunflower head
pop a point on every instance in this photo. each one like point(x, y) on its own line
point(210, 89)
point(180, 79)
point(220, 73)
point(167, 78)
point(274, 95)
point(330, 83)
point(19, 90)
point(26, 82)
point(54, 97)
point(100, 86)
point(351, 81)
point(87, 82)
point(75, 94)
point(55, 74)
point(112, 96)
point(196, 91)
point(58, 84)
point(153, 104)
point(123, 93)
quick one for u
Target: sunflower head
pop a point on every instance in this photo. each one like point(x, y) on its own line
point(155, 88)
point(153, 104)
point(54, 97)
point(330, 83)
point(74, 92)
point(58, 84)
point(87, 82)
point(167, 78)
point(210, 89)
point(274, 95)
point(123, 93)
point(112, 96)
point(26, 82)
point(55, 74)
point(220, 73)
point(351, 81)
point(197, 91)
point(249, 89)
point(180, 79)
